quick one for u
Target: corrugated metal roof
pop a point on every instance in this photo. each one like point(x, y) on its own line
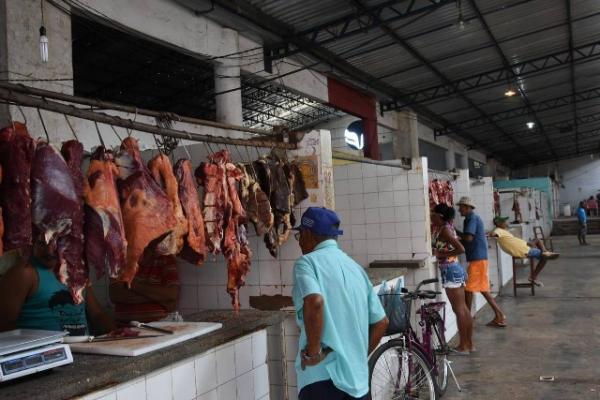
point(524, 30)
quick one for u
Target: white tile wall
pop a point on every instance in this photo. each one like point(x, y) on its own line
point(386, 205)
point(196, 377)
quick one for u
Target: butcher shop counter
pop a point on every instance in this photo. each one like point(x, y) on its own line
point(188, 367)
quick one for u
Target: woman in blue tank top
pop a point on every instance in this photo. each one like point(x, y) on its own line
point(32, 298)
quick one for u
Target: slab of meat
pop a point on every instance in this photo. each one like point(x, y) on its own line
point(235, 244)
point(194, 248)
point(71, 246)
point(1, 222)
point(146, 209)
point(256, 202)
point(211, 175)
point(16, 156)
point(55, 203)
point(105, 246)
point(162, 171)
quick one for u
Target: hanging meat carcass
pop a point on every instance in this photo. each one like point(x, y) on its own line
point(105, 245)
point(162, 171)
point(1, 221)
point(235, 243)
point(56, 209)
point(71, 245)
point(147, 211)
point(16, 156)
point(211, 175)
point(255, 201)
point(298, 187)
point(194, 248)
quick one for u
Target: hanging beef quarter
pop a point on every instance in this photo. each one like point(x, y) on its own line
point(105, 245)
point(147, 212)
point(16, 156)
point(71, 246)
point(258, 207)
point(162, 171)
point(194, 248)
point(211, 175)
point(55, 204)
point(280, 202)
point(1, 220)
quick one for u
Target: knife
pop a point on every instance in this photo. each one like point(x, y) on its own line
point(110, 339)
point(138, 324)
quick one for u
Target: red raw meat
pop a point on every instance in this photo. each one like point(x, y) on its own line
point(105, 246)
point(147, 212)
point(162, 171)
point(194, 248)
point(16, 156)
point(1, 221)
point(71, 246)
point(55, 203)
point(211, 175)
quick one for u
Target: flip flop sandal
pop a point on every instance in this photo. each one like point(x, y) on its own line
point(536, 283)
point(496, 324)
point(456, 352)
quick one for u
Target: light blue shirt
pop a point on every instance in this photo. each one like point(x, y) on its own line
point(350, 306)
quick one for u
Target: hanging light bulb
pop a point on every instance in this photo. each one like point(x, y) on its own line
point(43, 37)
point(510, 92)
point(43, 45)
point(462, 24)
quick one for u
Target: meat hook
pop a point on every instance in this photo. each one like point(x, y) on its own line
point(71, 127)
point(43, 125)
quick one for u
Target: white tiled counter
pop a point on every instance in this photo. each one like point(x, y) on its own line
point(233, 371)
point(227, 364)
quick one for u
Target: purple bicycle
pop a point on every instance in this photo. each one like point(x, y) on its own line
point(413, 365)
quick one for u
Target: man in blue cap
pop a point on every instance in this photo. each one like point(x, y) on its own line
point(341, 319)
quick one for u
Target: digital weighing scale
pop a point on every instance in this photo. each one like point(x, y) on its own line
point(27, 351)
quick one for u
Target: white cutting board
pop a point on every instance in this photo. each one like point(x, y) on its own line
point(135, 347)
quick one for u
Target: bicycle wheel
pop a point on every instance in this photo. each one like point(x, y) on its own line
point(398, 373)
point(441, 350)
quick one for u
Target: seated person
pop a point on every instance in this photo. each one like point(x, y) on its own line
point(153, 293)
point(519, 248)
point(31, 297)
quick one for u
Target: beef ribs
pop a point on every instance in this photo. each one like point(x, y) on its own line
point(211, 175)
point(194, 248)
point(162, 171)
point(105, 245)
point(147, 211)
point(16, 156)
point(72, 244)
point(258, 206)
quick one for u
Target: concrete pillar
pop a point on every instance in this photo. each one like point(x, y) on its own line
point(20, 52)
point(405, 141)
point(450, 157)
point(227, 77)
point(491, 168)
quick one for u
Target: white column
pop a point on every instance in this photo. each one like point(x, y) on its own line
point(227, 78)
point(450, 157)
point(406, 138)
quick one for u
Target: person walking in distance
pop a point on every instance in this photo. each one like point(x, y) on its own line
point(340, 317)
point(592, 206)
point(446, 248)
point(582, 218)
point(476, 251)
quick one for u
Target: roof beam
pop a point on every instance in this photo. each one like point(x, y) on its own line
point(514, 76)
point(581, 54)
point(417, 55)
point(516, 112)
point(360, 21)
point(264, 21)
point(572, 73)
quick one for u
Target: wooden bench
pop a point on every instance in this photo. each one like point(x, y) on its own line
point(516, 285)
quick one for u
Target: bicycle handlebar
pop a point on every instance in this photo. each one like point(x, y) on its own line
point(426, 282)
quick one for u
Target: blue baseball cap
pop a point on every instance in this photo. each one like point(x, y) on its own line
point(320, 221)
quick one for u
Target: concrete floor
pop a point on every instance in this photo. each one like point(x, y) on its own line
point(557, 332)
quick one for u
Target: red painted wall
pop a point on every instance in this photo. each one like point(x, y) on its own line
point(360, 104)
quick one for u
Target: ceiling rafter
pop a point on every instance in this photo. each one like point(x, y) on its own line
point(516, 112)
point(551, 62)
point(417, 55)
point(513, 76)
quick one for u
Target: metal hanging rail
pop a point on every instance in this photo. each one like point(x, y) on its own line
point(338, 155)
point(101, 104)
point(29, 100)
